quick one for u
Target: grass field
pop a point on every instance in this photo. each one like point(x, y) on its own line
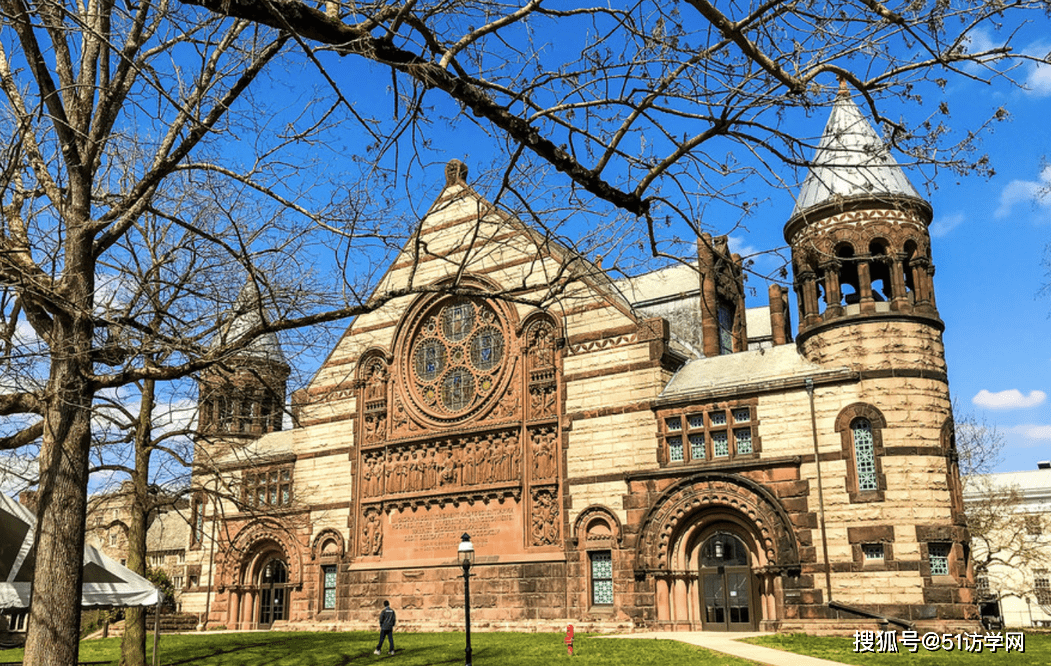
point(431, 649)
point(1037, 652)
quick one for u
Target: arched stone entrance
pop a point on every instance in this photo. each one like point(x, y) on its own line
point(714, 546)
point(261, 571)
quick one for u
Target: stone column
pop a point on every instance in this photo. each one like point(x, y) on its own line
point(663, 601)
point(681, 612)
point(900, 298)
point(234, 609)
point(833, 294)
point(868, 304)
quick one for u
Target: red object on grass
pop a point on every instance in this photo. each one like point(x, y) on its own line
point(569, 640)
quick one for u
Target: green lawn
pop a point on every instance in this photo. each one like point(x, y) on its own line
point(337, 649)
point(1037, 652)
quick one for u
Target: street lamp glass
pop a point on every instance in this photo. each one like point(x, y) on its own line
point(465, 553)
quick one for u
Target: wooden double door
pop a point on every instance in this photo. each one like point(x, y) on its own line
point(728, 587)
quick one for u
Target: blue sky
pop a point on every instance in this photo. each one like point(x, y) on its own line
point(990, 239)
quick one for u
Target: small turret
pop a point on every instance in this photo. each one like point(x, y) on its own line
point(858, 233)
point(244, 395)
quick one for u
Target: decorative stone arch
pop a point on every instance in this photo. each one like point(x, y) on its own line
point(878, 422)
point(690, 512)
point(597, 522)
point(248, 553)
point(328, 544)
point(679, 511)
point(253, 544)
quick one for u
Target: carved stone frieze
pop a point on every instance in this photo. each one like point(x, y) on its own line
point(542, 446)
point(545, 520)
point(443, 465)
point(542, 400)
point(371, 533)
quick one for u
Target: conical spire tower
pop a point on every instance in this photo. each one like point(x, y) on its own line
point(860, 245)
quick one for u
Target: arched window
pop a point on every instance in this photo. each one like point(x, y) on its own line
point(849, 285)
point(860, 425)
point(879, 271)
point(864, 454)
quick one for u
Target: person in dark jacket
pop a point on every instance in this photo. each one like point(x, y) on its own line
point(387, 621)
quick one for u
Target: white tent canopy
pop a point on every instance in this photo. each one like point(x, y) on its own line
point(106, 583)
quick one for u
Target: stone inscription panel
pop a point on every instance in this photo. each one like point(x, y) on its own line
point(434, 532)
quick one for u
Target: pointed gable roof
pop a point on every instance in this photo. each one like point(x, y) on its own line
point(852, 161)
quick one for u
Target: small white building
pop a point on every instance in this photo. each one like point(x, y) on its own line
point(1010, 517)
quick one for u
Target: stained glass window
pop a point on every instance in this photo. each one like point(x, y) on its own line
point(457, 321)
point(864, 454)
point(718, 418)
point(872, 551)
point(457, 390)
point(674, 424)
point(458, 355)
point(697, 447)
point(726, 325)
point(329, 586)
point(743, 441)
point(430, 359)
point(742, 415)
point(1042, 588)
point(675, 449)
point(696, 421)
point(939, 558)
point(602, 578)
point(272, 488)
point(486, 349)
point(720, 445)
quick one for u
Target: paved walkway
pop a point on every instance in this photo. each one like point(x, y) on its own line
point(727, 643)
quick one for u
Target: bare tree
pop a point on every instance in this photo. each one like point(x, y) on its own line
point(1008, 542)
point(104, 104)
point(660, 109)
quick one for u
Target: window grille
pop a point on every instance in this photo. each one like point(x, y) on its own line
point(602, 578)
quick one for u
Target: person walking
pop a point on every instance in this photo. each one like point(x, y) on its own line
point(387, 620)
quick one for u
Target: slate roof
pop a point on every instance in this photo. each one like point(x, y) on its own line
point(851, 161)
point(249, 315)
point(739, 371)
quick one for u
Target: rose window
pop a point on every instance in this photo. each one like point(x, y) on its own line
point(457, 356)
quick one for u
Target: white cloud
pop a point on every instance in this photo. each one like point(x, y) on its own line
point(1032, 431)
point(1039, 82)
point(739, 246)
point(1026, 191)
point(946, 223)
point(1010, 399)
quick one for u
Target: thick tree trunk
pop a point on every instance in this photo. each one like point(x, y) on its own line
point(54, 621)
point(53, 637)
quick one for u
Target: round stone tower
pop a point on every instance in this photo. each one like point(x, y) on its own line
point(861, 255)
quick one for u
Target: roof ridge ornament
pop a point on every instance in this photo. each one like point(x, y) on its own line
point(844, 89)
point(455, 172)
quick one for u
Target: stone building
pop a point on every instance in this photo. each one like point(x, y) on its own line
point(1013, 514)
point(649, 452)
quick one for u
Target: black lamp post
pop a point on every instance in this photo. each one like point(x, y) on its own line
point(465, 554)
